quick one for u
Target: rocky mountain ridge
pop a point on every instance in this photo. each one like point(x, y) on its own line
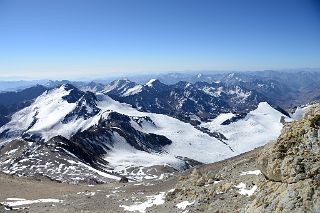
point(282, 176)
point(113, 137)
point(188, 102)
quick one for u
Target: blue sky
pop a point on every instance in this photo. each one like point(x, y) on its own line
point(96, 38)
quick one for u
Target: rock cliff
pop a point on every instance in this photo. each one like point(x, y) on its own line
point(291, 166)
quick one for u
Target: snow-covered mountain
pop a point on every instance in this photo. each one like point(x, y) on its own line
point(11, 102)
point(192, 103)
point(122, 87)
point(93, 130)
point(286, 88)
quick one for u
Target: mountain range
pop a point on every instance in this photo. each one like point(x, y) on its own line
point(95, 132)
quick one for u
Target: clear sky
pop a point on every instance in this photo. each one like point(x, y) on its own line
point(95, 38)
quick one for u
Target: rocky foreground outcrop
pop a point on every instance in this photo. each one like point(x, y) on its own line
point(291, 167)
point(225, 186)
point(283, 176)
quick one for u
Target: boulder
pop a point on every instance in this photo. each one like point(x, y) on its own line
point(124, 180)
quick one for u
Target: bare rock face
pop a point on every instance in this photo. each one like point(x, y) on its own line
point(291, 166)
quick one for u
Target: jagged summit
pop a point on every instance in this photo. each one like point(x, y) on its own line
point(187, 101)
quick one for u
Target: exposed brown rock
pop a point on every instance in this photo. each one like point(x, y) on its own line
point(291, 166)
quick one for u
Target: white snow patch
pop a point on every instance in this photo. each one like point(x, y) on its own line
point(255, 172)
point(11, 202)
point(11, 151)
point(299, 112)
point(209, 91)
point(243, 191)
point(14, 199)
point(141, 207)
point(90, 194)
point(132, 91)
point(172, 190)
point(161, 177)
point(184, 204)
point(149, 84)
point(243, 95)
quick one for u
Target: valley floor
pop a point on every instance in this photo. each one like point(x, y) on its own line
point(148, 196)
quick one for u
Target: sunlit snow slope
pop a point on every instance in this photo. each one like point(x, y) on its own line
point(46, 118)
point(256, 129)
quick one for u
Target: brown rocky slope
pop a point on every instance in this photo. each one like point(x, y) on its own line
point(283, 176)
point(289, 179)
point(291, 167)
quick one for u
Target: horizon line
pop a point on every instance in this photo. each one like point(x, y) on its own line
point(146, 73)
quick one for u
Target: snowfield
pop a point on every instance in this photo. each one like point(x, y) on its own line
point(44, 117)
point(141, 207)
point(184, 204)
point(258, 128)
point(187, 141)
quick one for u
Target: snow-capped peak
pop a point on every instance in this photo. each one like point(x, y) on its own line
point(150, 83)
point(60, 111)
point(47, 110)
point(117, 84)
point(122, 87)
